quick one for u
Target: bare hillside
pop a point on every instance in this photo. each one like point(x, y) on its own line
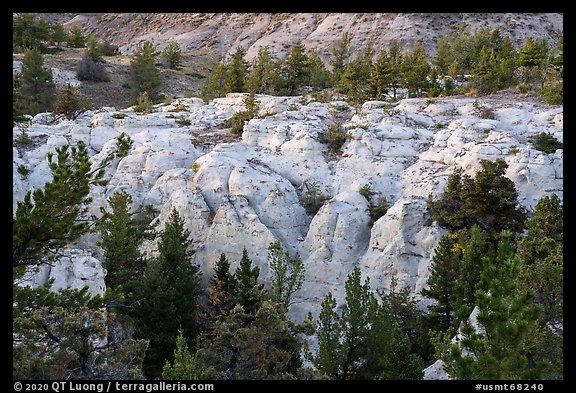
point(213, 35)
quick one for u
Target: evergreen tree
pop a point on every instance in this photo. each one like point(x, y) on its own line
point(249, 293)
point(295, 68)
point(57, 34)
point(287, 274)
point(355, 81)
point(221, 293)
point(365, 341)
point(388, 349)
point(340, 56)
point(38, 86)
point(184, 367)
point(493, 349)
point(263, 77)
point(415, 69)
point(144, 75)
point(541, 271)
point(215, 86)
point(166, 296)
point(355, 324)
point(93, 50)
point(490, 200)
point(36, 240)
point(328, 359)
point(484, 73)
point(396, 78)
point(382, 74)
point(70, 103)
point(403, 308)
point(123, 231)
point(318, 76)
point(173, 54)
point(61, 343)
point(29, 32)
point(441, 284)
point(236, 72)
point(18, 101)
point(474, 250)
point(76, 38)
point(265, 345)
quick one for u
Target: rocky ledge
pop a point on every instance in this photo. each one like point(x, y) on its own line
point(246, 191)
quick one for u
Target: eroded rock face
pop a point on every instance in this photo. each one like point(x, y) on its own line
point(245, 192)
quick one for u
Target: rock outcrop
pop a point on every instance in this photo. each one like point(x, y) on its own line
point(245, 192)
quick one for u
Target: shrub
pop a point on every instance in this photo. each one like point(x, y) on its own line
point(312, 199)
point(366, 192)
point(70, 103)
point(182, 121)
point(378, 210)
point(334, 138)
point(91, 70)
point(143, 104)
point(23, 171)
point(109, 49)
point(546, 143)
point(553, 95)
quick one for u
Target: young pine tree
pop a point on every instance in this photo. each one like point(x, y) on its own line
point(144, 75)
point(287, 274)
point(494, 349)
point(249, 293)
point(123, 231)
point(166, 296)
point(184, 366)
point(38, 88)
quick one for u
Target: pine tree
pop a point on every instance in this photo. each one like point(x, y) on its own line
point(415, 69)
point(18, 101)
point(70, 103)
point(382, 74)
point(173, 55)
point(215, 86)
point(318, 76)
point(38, 86)
point(329, 334)
point(93, 50)
point(490, 200)
point(265, 345)
point(57, 34)
point(296, 68)
point(249, 293)
point(365, 341)
point(64, 343)
point(221, 293)
point(123, 231)
point(184, 367)
point(263, 77)
point(36, 240)
point(493, 350)
point(287, 274)
point(441, 284)
point(76, 38)
point(236, 72)
point(355, 324)
point(388, 349)
point(484, 73)
point(340, 55)
point(29, 32)
point(396, 77)
point(166, 296)
point(144, 75)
